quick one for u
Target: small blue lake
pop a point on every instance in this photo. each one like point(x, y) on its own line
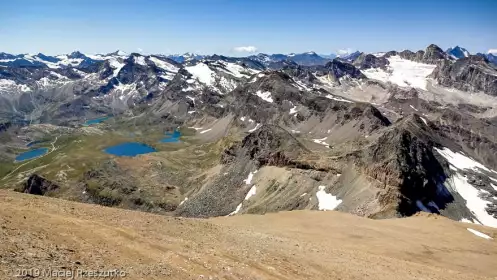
point(95, 121)
point(32, 154)
point(129, 149)
point(172, 137)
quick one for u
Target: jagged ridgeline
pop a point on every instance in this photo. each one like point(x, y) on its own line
point(378, 135)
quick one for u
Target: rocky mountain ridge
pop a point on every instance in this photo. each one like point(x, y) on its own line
point(374, 135)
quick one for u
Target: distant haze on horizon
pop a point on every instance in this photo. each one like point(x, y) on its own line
point(240, 28)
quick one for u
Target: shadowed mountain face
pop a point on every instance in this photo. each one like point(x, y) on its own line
point(377, 135)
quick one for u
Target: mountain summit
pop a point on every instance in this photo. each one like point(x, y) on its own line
point(457, 52)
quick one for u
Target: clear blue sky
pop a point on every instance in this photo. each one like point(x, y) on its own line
point(218, 26)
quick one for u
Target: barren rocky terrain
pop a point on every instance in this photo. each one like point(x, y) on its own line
point(46, 233)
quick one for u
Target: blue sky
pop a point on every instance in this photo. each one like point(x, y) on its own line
point(219, 26)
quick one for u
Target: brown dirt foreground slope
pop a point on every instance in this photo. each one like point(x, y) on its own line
point(44, 233)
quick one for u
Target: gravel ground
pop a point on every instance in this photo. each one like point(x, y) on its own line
point(40, 233)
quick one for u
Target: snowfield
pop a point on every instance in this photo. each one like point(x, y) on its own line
point(460, 161)
point(164, 65)
point(402, 72)
point(326, 201)
point(459, 183)
point(116, 65)
point(266, 96)
point(202, 73)
point(480, 234)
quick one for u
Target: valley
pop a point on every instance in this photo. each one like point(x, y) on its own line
point(376, 135)
point(180, 159)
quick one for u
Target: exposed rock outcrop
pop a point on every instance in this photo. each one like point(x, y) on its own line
point(367, 61)
point(472, 73)
point(269, 145)
point(403, 160)
point(433, 54)
point(38, 185)
point(338, 69)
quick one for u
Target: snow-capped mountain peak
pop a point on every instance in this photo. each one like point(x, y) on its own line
point(458, 52)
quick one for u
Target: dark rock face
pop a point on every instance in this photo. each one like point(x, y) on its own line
point(407, 54)
point(38, 185)
point(77, 54)
point(390, 53)
point(403, 158)
point(434, 54)
point(471, 73)
point(367, 61)
point(339, 69)
point(269, 145)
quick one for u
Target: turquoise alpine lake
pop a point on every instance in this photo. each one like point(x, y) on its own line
point(129, 149)
point(95, 121)
point(32, 154)
point(172, 137)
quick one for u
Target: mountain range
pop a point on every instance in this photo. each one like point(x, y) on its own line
point(377, 135)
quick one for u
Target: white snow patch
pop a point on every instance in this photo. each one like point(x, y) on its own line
point(249, 178)
point(196, 128)
point(379, 54)
point(251, 192)
point(293, 110)
point(321, 141)
point(304, 194)
point(326, 201)
point(7, 83)
point(238, 70)
point(480, 234)
point(423, 119)
point(164, 65)
point(329, 96)
point(116, 65)
point(238, 208)
point(460, 161)
point(493, 186)
point(184, 200)
point(413, 108)
point(474, 203)
point(140, 60)
point(204, 131)
point(266, 96)
point(242, 119)
point(202, 73)
point(402, 72)
point(192, 99)
point(255, 128)
point(295, 131)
